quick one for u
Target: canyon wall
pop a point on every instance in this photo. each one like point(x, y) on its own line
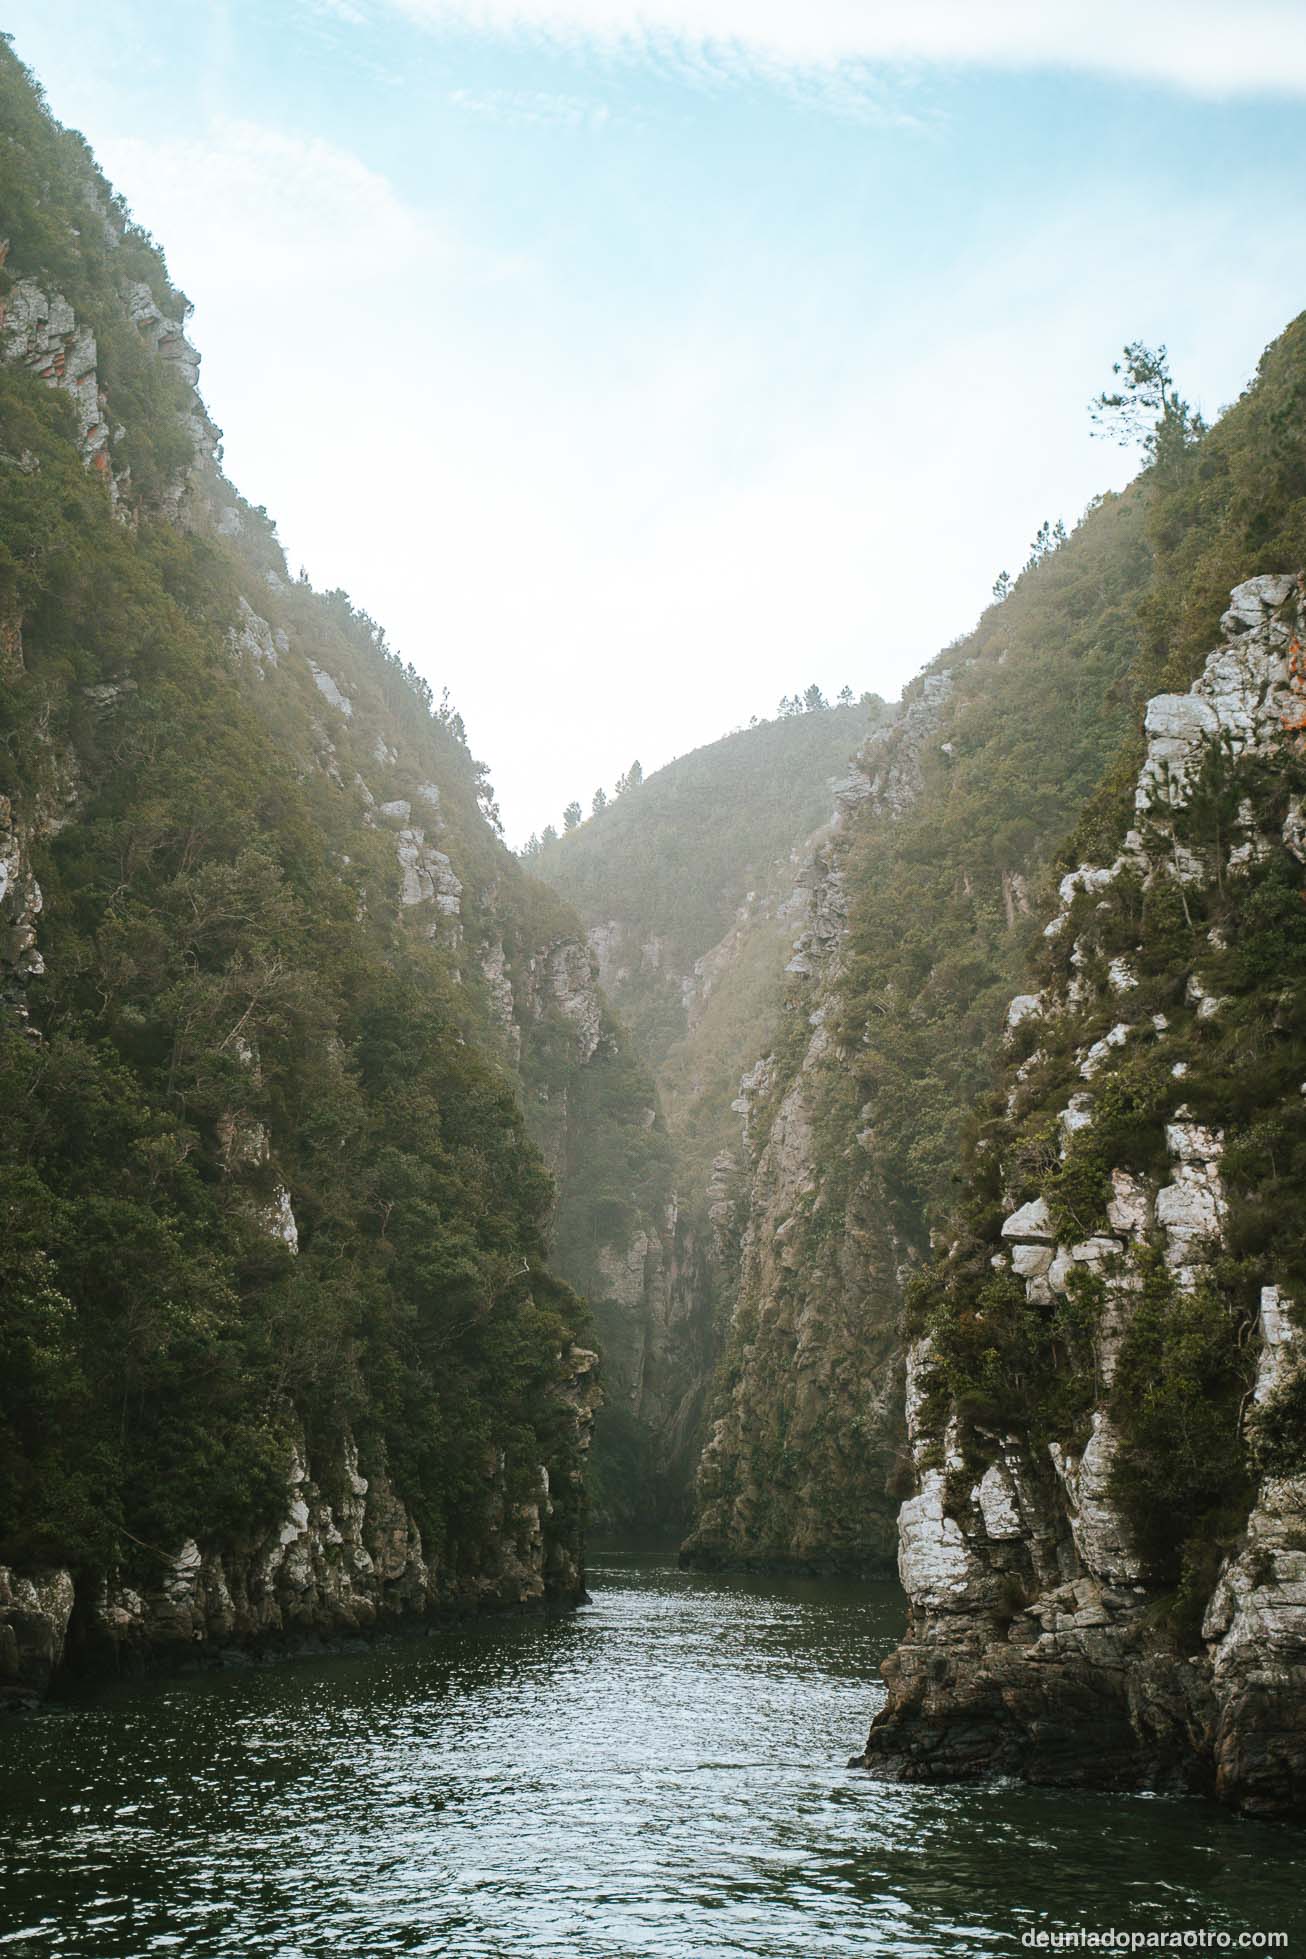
point(1105, 1550)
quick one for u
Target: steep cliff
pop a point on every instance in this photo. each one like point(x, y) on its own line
point(289, 1043)
point(1105, 1552)
point(927, 908)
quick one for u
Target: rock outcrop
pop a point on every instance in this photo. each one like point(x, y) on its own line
point(1065, 1625)
point(347, 1558)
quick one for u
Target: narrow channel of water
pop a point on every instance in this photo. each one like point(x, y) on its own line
point(661, 1775)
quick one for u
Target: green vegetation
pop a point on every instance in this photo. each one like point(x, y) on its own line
point(1189, 1449)
point(238, 1014)
point(1044, 706)
point(209, 976)
point(692, 863)
point(1023, 734)
point(947, 899)
point(208, 972)
point(64, 225)
point(1182, 1476)
point(1147, 410)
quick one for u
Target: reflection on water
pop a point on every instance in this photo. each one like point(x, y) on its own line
point(662, 1774)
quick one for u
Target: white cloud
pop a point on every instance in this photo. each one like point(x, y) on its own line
point(1211, 47)
point(341, 10)
point(619, 535)
point(542, 107)
point(266, 210)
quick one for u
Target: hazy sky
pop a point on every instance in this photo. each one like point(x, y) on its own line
point(635, 365)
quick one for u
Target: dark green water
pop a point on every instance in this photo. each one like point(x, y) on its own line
point(662, 1774)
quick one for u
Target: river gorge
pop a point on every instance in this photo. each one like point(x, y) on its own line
point(859, 1154)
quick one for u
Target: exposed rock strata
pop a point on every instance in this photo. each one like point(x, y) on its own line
point(1035, 1646)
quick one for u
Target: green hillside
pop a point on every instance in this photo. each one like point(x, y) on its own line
point(289, 1044)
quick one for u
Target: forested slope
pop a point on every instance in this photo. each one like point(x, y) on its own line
point(300, 1073)
point(935, 890)
point(660, 873)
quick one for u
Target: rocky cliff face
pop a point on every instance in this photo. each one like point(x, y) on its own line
point(323, 1042)
point(803, 1459)
point(347, 1558)
point(1105, 1550)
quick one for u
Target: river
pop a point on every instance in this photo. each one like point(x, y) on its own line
point(662, 1774)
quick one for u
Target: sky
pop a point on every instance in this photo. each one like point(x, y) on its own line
point(637, 364)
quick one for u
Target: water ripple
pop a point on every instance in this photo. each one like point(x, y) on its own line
point(662, 1775)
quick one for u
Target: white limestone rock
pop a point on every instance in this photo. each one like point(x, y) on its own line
point(427, 875)
point(280, 1219)
point(1077, 1115)
point(1283, 1349)
point(41, 332)
point(1058, 1273)
point(624, 1271)
point(1096, 1253)
point(1191, 1212)
point(996, 1497)
point(330, 690)
point(1099, 1532)
point(934, 1563)
point(1032, 1223)
point(1193, 1142)
point(1129, 1206)
point(1256, 1618)
point(494, 968)
point(1178, 718)
point(253, 639)
point(1100, 1052)
point(1024, 1007)
point(1207, 1004)
point(1250, 601)
point(572, 988)
point(35, 1611)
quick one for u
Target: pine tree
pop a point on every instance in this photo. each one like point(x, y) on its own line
point(1147, 408)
